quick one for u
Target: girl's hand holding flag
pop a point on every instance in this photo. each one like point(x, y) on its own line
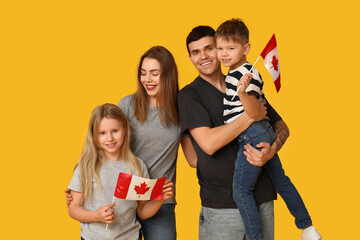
point(168, 190)
point(103, 214)
point(148, 208)
point(106, 213)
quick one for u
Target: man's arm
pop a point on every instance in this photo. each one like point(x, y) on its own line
point(259, 158)
point(282, 133)
point(189, 151)
point(212, 139)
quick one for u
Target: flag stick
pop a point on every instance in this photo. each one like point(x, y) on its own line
point(249, 71)
point(111, 203)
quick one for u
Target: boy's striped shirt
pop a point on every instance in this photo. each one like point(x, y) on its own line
point(234, 108)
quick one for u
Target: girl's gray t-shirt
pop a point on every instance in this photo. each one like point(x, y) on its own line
point(155, 144)
point(125, 225)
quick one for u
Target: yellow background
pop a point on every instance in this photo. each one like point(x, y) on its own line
point(59, 59)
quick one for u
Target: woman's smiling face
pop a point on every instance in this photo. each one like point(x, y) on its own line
point(151, 78)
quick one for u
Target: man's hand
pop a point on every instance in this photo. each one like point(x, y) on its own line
point(259, 158)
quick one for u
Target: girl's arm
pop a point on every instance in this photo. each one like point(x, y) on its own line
point(249, 101)
point(189, 151)
point(147, 209)
point(78, 212)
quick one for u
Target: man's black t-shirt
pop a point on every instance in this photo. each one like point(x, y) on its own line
point(201, 105)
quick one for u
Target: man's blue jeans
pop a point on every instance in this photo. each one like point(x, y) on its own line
point(245, 177)
point(161, 226)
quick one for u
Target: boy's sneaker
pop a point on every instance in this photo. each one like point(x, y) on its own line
point(310, 233)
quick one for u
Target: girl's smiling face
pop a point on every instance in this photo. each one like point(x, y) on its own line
point(111, 137)
point(151, 78)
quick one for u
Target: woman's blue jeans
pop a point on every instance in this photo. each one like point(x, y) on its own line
point(245, 177)
point(161, 226)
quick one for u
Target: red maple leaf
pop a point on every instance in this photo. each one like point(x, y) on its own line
point(142, 189)
point(275, 63)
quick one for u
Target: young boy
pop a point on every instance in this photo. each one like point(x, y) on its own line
point(232, 40)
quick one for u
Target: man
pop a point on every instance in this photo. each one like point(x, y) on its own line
point(201, 111)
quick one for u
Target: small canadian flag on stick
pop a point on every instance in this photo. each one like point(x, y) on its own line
point(132, 187)
point(271, 61)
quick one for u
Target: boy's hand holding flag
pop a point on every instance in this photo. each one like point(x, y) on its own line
point(271, 61)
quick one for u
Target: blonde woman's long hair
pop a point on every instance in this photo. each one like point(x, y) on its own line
point(92, 156)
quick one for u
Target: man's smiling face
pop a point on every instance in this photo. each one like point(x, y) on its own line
point(203, 56)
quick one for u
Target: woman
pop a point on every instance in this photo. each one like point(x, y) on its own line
point(153, 116)
point(155, 131)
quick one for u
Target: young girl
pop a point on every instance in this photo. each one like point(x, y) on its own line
point(106, 153)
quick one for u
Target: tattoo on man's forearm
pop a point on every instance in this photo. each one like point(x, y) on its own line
point(280, 140)
point(282, 133)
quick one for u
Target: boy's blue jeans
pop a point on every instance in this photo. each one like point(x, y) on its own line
point(245, 177)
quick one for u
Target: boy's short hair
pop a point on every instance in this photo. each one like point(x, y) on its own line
point(198, 33)
point(233, 29)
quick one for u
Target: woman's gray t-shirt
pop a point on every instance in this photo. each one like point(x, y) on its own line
point(155, 144)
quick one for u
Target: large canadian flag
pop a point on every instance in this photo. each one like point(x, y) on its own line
point(132, 187)
point(271, 61)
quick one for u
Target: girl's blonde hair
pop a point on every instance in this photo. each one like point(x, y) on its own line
point(92, 156)
point(169, 88)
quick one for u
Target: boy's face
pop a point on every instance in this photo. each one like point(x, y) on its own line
point(231, 54)
point(203, 56)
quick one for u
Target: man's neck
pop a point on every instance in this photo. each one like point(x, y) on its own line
point(216, 79)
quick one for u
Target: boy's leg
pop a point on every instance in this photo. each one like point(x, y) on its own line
point(288, 192)
point(161, 226)
point(286, 189)
point(245, 177)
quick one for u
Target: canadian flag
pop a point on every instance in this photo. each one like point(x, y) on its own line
point(271, 61)
point(132, 187)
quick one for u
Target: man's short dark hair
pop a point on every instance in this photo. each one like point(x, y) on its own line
point(198, 33)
